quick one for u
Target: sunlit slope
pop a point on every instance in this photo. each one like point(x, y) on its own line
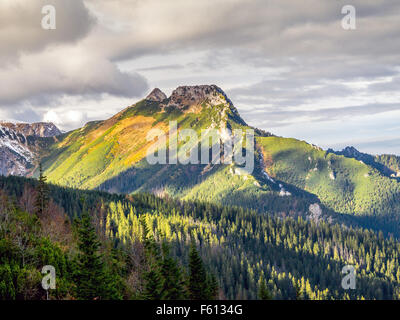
point(343, 184)
point(89, 157)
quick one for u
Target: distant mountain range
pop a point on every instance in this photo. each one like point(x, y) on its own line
point(290, 176)
point(387, 164)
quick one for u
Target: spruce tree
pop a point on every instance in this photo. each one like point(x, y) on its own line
point(212, 287)
point(92, 281)
point(153, 284)
point(153, 280)
point(199, 283)
point(42, 194)
point(263, 292)
point(174, 284)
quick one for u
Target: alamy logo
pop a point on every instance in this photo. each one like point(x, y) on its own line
point(349, 280)
point(349, 20)
point(49, 20)
point(182, 146)
point(49, 280)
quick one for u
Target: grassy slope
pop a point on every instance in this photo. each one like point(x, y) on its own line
point(91, 155)
point(343, 184)
point(88, 157)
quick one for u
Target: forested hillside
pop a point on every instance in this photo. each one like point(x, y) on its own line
point(299, 259)
point(343, 184)
point(35, 232)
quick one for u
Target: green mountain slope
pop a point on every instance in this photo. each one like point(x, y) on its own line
point(387, 164)
point(346, 185)
point(288, 177)
point(87, 157)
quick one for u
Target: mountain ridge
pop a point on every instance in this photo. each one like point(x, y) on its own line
point(290, 177)
point(387, 164)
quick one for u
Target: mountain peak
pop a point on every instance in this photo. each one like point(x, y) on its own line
point(352, 152)
point(350, 148)
point(195, 98)
point(192, 95)
point(156, 95)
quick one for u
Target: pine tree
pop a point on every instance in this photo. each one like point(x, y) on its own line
point(263, 292)
point(174, 284)
point(212, 287)
point(42, 197)
point(199, 285)
point(92, 281)
point(153, 280)
point(153, 285)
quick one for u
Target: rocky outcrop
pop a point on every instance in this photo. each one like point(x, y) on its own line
point(193, 95)
point(156, 95)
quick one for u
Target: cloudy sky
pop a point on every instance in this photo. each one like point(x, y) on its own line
point(288, 66)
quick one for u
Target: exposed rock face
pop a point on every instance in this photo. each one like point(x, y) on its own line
point(193, 95)
point(38, 129)
point(194, 98)
point(18, 145)
point(315, 212)
point(156, 95)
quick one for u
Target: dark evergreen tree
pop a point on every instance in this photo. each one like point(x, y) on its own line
point(174, 283)
point(263, 292)
point(92, 280)
point(42, 193)
point(153, 280)
point(212, 287)
point(198, 284)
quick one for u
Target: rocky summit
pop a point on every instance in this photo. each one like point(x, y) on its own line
point(186, 96)
point(156, 95)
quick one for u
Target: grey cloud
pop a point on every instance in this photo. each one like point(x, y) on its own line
point(304, 36)
point(66, 71)
point(162, 67)
point(278, 117)
point(272, 28)
point(289, 92)
point(21, 30)
point(21, 113)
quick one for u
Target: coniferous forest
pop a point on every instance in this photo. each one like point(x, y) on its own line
point(140, 246)
point(194, 159)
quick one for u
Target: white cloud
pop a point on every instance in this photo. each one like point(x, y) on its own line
point(52, 116)
point(65, 119)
